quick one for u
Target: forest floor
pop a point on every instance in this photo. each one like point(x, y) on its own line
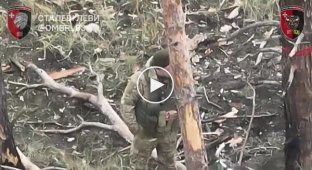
point(130, 31)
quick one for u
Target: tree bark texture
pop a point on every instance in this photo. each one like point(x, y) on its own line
point(8, 153)
point(297, 104)
point(174, 21)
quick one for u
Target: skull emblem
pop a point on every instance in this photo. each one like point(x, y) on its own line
point(292, 21)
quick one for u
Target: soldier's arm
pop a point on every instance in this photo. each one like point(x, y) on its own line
point(128, 102)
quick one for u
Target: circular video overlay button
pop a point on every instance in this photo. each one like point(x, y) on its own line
point(156, 86)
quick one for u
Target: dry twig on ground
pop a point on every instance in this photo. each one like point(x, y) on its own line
point(25, 86)
point(53, 168)
point(234, 117)
point(210, 102)
point(82, 125)
point(250, 122)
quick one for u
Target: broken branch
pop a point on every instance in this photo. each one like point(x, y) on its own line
point(26, 162)
point(26, 86)
point(99, 101)
point(256, 24)
point(235, 117)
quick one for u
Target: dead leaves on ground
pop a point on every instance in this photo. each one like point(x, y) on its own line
point(233, 142)
point(231, 114)
point(5, 67)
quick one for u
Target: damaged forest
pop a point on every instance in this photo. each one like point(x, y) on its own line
point(63, 88)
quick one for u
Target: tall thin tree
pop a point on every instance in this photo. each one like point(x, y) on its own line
point(174, 19)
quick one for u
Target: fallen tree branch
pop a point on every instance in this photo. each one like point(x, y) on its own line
point(82, 125)
point(9, 167)
point(265, 82)
point(101, 103)
point(235, 117)
point(53, 168)
point(256, 24)
point(26, 162)
point(43, 123)
point(18, 64)
point(277, 49)
point(26, 86)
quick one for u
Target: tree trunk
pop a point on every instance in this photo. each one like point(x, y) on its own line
point(8, 153)
point(298, 97)
point(174, 19)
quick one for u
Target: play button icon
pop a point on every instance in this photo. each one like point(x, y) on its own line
point(154, 85)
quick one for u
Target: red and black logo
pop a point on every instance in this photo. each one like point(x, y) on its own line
point(19, 21)
point(291, 21)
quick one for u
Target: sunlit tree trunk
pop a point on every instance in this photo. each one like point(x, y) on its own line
point(298, 98)
point(174, 20)
point(8, 153)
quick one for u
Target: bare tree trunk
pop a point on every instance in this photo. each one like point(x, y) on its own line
point(298, 107)
point(174, 19)
point(8, 153)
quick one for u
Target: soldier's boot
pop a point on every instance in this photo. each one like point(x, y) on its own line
point(166, 149)
point(141, 150)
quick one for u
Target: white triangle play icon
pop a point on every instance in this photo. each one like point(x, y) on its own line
point(154, 85)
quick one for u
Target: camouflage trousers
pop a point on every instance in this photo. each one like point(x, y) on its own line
point(143, 145)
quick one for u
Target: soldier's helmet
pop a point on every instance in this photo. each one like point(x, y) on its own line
point(160, 59)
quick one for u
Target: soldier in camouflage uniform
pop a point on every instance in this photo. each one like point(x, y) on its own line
point(153, 125)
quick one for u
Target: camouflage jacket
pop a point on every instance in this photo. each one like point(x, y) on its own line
point(131, 98)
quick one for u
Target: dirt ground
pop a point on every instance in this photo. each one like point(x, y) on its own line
point(221, 69)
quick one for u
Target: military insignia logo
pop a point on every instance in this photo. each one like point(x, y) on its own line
point(291, 21)
point(19, 21)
